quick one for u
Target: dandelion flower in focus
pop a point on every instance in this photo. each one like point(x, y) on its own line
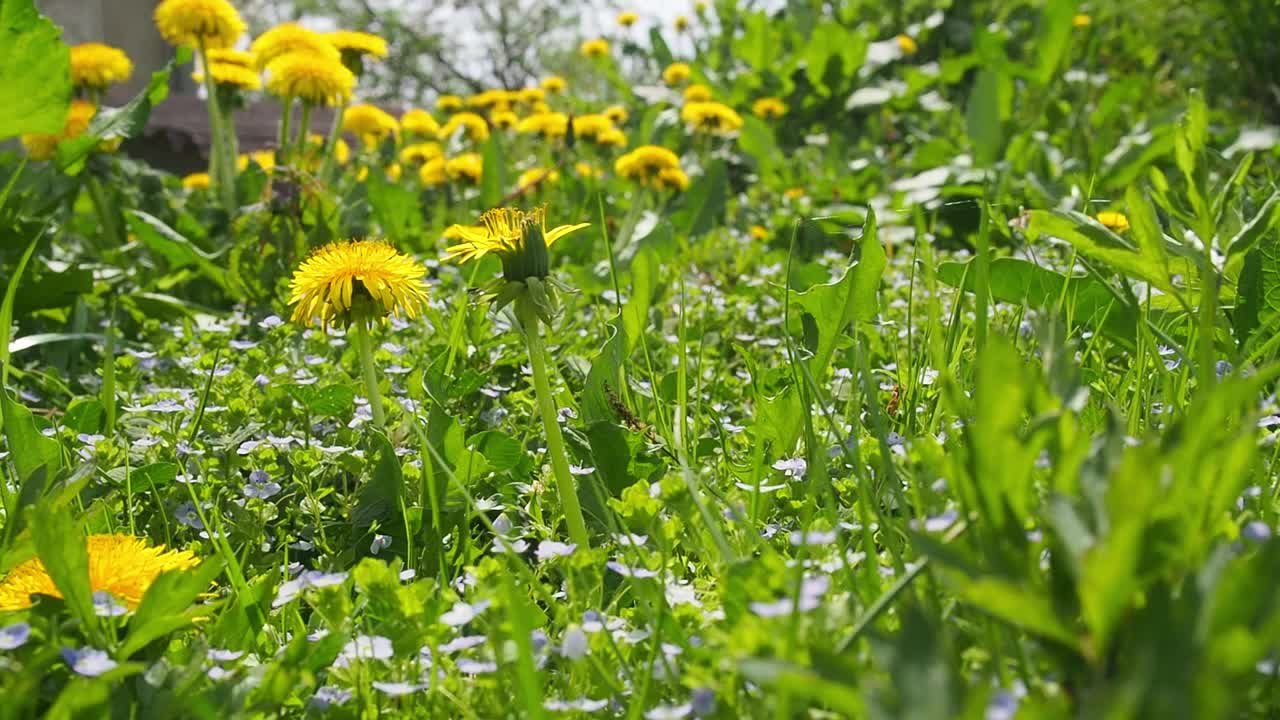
point(769, 108)
point(289, 38)
point(520, 239)
point(477, 130)
point(711, 117)
point(1114, 220)
point(121, 565)
point(212, 24)
point(196, 181)
point(676, 74)
point(598, 47)
point(627, 19)
point(314, 79)
point(552, 84)
point(356, 280)
point(419, 122)
point(370, 123)
point(536, 176)
point(697, 93)
point(467, 166)
point(449, 103)
point(95, 66)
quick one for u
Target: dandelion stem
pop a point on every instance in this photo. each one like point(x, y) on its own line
point(331, 142)
point(364, 345)
point(528, 318)
point(222, 167)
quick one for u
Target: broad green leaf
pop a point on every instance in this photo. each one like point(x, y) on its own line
point(85, 697)
point(1002, 459)
point(166, 607)
point(1145, 227)
point(116, 123)
point(985, 115)
point(500, 450)
point(704, 202)
point(658, 46)
point(147, 477)
point(60, 544)
point(27, 342)
point(804, 683)
point(32, 451)
point(1019, 605)
point(378, 500)
point(395, 207)
point(1082, 299)
point(327, 401)
point(1260, 225)
point(1098, 243)
point(54, 290)
point(757, 140)
point(830, 308)
point(825, 43)
point(1053, 37)
point(85, 415)
point(35, 73)
point(174, 247)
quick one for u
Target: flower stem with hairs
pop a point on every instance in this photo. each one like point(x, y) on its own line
point(222, 168)
point(364, 346)
point(565, 486)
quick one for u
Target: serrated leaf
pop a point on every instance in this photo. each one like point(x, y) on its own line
point(35, 75)
point(116, 123)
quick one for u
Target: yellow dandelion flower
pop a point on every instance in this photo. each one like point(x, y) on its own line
point(264, 159)
point(588, 127)
point(1081, 20)
point(907, 44)
point(356, 43)
point(504, 119)
point(487, 99)
point(676, 74)
point(356, 280)
point(550, 125)
point(43, 146)
point(419, 122)
point(587, 170)
point(503, 231)
point(697, 93)
point(613, 137)
point(212, 24)
point(121, 565)
point(370, 123)
point(230, 75)
point(671, 179)
point(196, 181)
point(419, 153)
point(449, 103)
point(769, 108)
point(290, 38)
point(681, 23)
point(313, 151)
point(627, 19)
point(1114, 220)
point(647, 163)
point(467, 166)
point(540, 107)
point(537, 176)
point(551, 84)
point(432, 172)
point(393, 172)
point(477, 130)
point(230, 56)
point(95, 66)
point(531, 95)
point(312, 78)
point(759, 232)
point(711, 117)
point(617, 114)
point(794, 193)
point(598, 47)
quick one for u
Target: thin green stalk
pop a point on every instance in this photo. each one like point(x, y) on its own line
point(528, 318)
point(364, 345)
point(222, 168)
point(304, 125)
point(331, 142)
point(104, 210)
point(286, 115)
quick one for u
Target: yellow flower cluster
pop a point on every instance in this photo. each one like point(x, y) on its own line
point(653, 166)
point(474, 126)
point(312, 79)
point(121, 565)
point(342, 281)
point(711, 117)
point(95, 66)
